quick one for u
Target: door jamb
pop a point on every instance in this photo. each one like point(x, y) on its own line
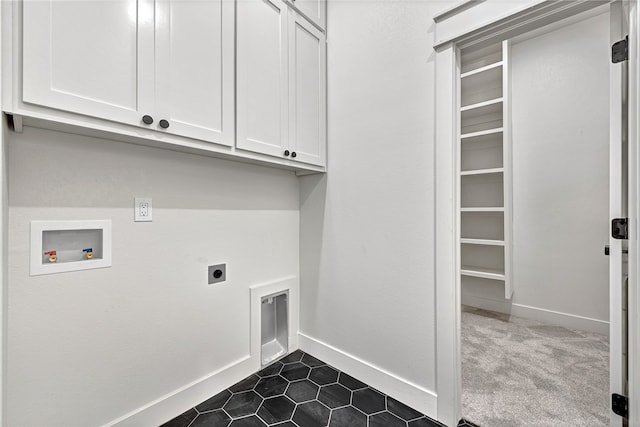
point(634, 209)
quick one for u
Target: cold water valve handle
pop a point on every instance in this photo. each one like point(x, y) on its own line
point(88, 253)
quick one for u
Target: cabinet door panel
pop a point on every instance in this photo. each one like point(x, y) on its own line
point(314, 10)
point(262, 76)
point(307, 92)
point(89, 57)
point(195, 68)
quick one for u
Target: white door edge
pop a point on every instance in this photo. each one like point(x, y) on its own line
point(634, 209)
point(617, 370)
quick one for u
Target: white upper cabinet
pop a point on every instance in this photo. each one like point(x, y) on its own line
point(315, 10)
point(307, 92)
point(195, 68)
point(92, 58)
point(281, 101)
point(262, 76)
point(121, 60)
point(242, 79)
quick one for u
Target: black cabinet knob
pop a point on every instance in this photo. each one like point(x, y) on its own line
point(293, 154)
point(147, 119)
point(164, 123)
point(286, 152)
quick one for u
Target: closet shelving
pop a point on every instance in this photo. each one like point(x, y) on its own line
point(484, 166)
point(481, 171)
point(482, 272)
point(487, 209)
point(488, 242)
point(483, 71)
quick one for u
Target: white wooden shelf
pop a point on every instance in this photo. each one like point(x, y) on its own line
point(477, 58)
point(479, 209)
point(485, 166)
point(482, 171)
point(481, 84)
point(487, 132)
point(482, 272)
point(485, 242)
point(481, 69)
point(489, 103)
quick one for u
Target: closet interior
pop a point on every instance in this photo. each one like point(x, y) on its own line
point(533, 219)
point(485, 167)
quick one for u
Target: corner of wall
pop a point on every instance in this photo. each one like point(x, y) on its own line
point(392, 385)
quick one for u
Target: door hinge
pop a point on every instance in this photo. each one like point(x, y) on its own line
point(620, 228)
point(620, 405)
point(607, 250)
point(620, 51)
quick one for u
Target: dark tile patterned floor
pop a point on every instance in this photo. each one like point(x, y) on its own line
point(301, 391)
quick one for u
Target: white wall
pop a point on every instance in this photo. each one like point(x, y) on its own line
point(367, 256)
point(560, 115)
point(86, 348)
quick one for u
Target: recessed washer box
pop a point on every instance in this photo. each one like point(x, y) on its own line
point(78, 245)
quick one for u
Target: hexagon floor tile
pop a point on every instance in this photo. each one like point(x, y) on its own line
point(334, 396)
point(295, 371)
point(301, 391)
point(369, 401)
point(347, 416)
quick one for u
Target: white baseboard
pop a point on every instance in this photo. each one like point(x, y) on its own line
point(405, 391)
point(567, 320)
point(173, 404)
point(180, 400)
point(487, 303)
point(570, 321)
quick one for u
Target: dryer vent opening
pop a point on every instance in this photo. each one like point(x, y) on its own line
point(274, 327)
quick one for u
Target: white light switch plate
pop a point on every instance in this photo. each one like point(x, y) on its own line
point(143, 209)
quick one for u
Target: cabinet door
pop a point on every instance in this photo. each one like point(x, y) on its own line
point(195, 68)
point(89, 57)
point(262, 76)
point(313, 9)
point(307, 91)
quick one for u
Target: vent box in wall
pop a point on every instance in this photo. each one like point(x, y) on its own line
point(274, 319)
point(60, 246)
point(274, 335)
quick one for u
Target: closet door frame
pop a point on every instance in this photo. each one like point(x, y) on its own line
point(634, 211)
point(500, 25)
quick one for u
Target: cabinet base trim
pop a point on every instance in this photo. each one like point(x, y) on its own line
point(122, 133)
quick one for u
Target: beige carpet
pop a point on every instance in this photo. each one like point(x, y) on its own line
point(518, 372)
